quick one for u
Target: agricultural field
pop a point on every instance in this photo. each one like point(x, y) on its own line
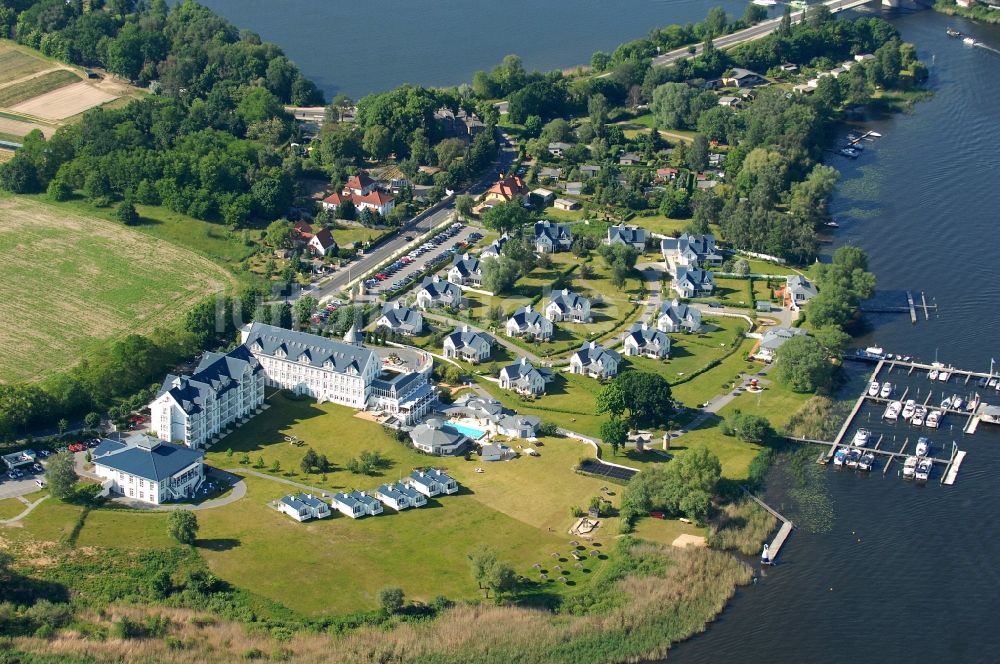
point(64, 102)
point(17, 62)
point(68, 279)
point(15, 129)
point(38, 86)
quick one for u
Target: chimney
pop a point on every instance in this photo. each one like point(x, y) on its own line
point(465, 328)
point(565, 292)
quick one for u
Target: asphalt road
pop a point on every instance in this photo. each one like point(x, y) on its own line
point(762, 29)
point(375, 257)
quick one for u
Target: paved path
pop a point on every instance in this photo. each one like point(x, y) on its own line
point(265, 476)
point(30, 506)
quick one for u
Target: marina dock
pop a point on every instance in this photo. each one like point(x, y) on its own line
point(783, 532)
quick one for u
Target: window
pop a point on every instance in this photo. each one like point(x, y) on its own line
point(142, 482)
point(142, 496)
point(131, 492)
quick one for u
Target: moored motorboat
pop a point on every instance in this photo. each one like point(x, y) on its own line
point(853, 456)
point(866, 461)
point(840, 456)
point(765, 556)
point(832, 224)
point(952, 32)
point(946, 403)
point(923, 471)
point(892, 410)
point(918, 416)
point(923, 446)
point(909, 408)
point(933, 374)
point(861, 437)
point(886, 390)
point(956, 402)
point(944, 375)
point(873, 389)
point(850, 153)
point(909, 466)
point(933, 419)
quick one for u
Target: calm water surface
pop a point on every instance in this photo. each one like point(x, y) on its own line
point(905, 573)
point(362, 47)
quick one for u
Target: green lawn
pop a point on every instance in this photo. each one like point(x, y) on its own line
point(666, 531)
point(732, 292)
point(764, 267)
point(350, 234)
point(714, 381)
point(660, 224)
point(37, 86)
point(16, 63)
point(70, 278)
point(11, 507)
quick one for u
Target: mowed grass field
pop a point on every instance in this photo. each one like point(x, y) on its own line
point(67, 280)
point(34, 87)
point(16, 63)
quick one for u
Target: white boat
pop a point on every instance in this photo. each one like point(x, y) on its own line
point(934, 419)
point(969, 41)
point(886, 390)
point(765, 556)
point(866, 461)
point(851, 153)
point(861, 437)
point(831, 224)
point(909, 466)
point(923, 446)
point(933, 374)
point(946, 403)
point(875, 134)
point(840, 456)
point(892, 410)
point(873, 389)
point(956, 402)
point(765, 3)
point(918, 416)
point(909, 408)
point(923, 471)
point(944, 375)
point(853, 456)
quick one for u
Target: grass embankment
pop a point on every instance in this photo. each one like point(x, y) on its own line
point(10, 507)
point(977, 12)
point(69, 279)
point(34, 87)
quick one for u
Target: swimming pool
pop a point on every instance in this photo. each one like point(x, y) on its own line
point(465, 430)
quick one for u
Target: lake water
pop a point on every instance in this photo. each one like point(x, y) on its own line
point(905, 573)
point(358, 48)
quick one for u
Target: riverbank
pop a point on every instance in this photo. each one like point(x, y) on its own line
point(976, 12)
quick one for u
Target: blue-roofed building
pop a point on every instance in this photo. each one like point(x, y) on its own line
point(392, 495)
point(357, 504)
point(416, 498)
point(149, 470)
point(632, 236)
point(303, 507)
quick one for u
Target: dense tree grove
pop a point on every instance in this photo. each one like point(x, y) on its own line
point(684, 486)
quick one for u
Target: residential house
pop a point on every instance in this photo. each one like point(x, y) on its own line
point(360, 190)
point(789, 68)
point(864, 57)
point(691, 250)
point(435, 292)
point(490, 415)
point(645, 341)
point(567, 306)
point(551, 237)
point(149, 470)
point(415, 498)
point(433, 436)
point(509, 188)
point(518, 426)
point(550, 172)
point(523, 378)
point(528, 323)
point(629, 159)
point(303, 507)
point(676, 316)
point(392, 495)
point(431, 482)
point(692, 282)
point(589, 171)
point(774, 339)
point(567, 204)
point(468, 344)
point(557, 148)
point(400, 319)
point(666, 174)
point(798, 291)
point(322, 243)
point(494, 249)
point(729, 102)
point(465, 271)
point(595, 361)
point(542, 197)
point(223, 391)
point(357, 504)
point(743, 78)
point(446, 484)
point(496, 452)
point(632, 236)
point(314, 366)
point(573, 188)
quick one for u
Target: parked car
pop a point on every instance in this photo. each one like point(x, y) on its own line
point(40, 482)
point(37, 468)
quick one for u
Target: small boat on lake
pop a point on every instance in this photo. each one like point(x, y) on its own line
point(853, 457)
point(944, 375)
point(923, 446)
point(866, 461)
point(969, 41)
point(850, 153)
point(892, 411)
point(765, 3)
point(956, 402)
point(765, 556)
point(832, 224)
point(946, 403)
point(886, 390)
point(861, 437)
point(952, 32)
point(933, 419)
point(909, 408)
point(840, 456)
point(933, 374)
point(909, 467)
point(923, 471)
point(918, 416)
point(873, 389)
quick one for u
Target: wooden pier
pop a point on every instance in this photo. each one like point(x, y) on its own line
point(952, 472)
point(913, 311)
point(783, 532)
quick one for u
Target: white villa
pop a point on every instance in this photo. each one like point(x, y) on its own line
point(431, 482)
point(551, 237)
point(645, 341)
point(303, 507)
point(224, 390)
point(567, 306)
point(469, 345)
point(676, 316)
point(434, 292)
point(400, 319)
point(595, 361)
point(798, 291)
point(523, 378)
point(399, 496)
point(357, 504)
point(774, 339)
point(632, 236)
point(494, 248)
point(465, 271)
point(526, 322)
point(692, 282)
point(433, 436)
point(491, 416)
point(360, 190)
point(690, 251)
point(148, 470)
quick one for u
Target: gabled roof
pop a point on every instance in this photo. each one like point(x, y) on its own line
point(215, 375)
point(440, 476)
point(151, 459)
point(496, 246)
point(400, 316)
point(438, 288)
point(627, 234)
point(567, 300)
point(799, 284)
point(509, 188)
point(375, 197)
point(591, 353)
point(643, 335)
point(698, 247)
point(466, 265)
point(391, 491)
point(359, 181)
point(520, 370)
point(777, 336)
point(679, 312)
point(466, 337)
point(325, 239)
point(553, 231)
point(322, 352)
point(527, 316)
point(694, 276)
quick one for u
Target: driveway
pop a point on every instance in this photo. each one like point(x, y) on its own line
point(420, 263)
point(16, 488)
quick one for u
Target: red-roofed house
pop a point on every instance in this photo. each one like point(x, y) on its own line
point(664, 174)
point(304, 230)
point(360, 190)
point(507, 189)
point(322, 243)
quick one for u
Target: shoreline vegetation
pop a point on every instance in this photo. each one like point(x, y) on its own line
point(977, 12)
point(60, 601)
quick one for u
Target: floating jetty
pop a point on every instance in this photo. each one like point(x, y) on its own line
point(783, 532)
point(952, 471)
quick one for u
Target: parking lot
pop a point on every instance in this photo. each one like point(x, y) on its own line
point(409, 267)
